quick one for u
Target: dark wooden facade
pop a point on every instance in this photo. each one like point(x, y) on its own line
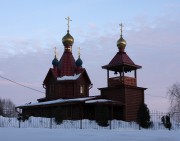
point(130, 97)
point(74, 111)
point(73, 88)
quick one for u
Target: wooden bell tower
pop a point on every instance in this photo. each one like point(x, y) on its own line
point(123, 88)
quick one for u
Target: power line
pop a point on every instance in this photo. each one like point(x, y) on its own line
point(43, 92)
point(160, 97)
point(157, 96)
point(21, 84)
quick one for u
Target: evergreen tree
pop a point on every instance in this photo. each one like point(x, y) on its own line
point(166, 121)
point(144, 116)
point(102, 115)
point(58, 114)
point(22, 117)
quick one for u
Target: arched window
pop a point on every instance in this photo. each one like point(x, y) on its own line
point(81, 89)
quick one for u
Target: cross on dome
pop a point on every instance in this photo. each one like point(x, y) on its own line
point(121, 43)
point(68, 20)
point(55, 61)
point(79, 62)
point(55, 52)
point(68, 40)
point(79, 52)
point(121, 25)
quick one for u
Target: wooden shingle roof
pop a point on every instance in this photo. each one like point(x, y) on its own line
point(120, 60)
point(67, 65)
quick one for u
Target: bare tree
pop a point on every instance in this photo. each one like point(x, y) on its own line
point(174, 94)
point(1, 108)
point(7, 108)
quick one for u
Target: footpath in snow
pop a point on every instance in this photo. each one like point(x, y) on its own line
point(41, 134)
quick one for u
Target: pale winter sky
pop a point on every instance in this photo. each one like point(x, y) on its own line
point(30, 29)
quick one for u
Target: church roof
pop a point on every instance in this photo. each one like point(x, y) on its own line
point(86, 100)
point(120, 60)
point(52, 75)
point(75, 77)
point(58, 101)
point(67, 65)
point(103, 101)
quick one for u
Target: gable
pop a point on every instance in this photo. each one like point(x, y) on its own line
point(85, 76)
point(49, 77)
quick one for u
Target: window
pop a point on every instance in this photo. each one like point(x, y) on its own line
point(81, 89)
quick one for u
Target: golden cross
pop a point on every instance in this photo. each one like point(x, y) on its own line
point(55, 51)
point(68, 19)
point(121, 25)
point(79, 52)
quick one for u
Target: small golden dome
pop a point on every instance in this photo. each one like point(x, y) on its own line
point(68, 40)
point(121, 43)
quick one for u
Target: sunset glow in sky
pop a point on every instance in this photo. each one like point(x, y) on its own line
point(29, 30)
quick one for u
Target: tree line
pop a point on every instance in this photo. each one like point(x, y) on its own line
point(7, 108)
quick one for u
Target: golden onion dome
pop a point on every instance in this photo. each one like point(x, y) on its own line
point(68, 40)
point(121, 43)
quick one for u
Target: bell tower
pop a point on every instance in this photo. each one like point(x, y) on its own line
point(122, 87)
point(121, 64)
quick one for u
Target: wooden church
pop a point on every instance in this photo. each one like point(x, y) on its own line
point(67, 86)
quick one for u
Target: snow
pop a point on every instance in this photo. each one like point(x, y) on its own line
point(37, 134)
point(37, 129)
point(58, 101)
point(69, 77)
point(40, 122)
point(98, 100)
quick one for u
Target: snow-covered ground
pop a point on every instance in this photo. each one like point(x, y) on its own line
point(42, 134)
point(38, 129)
